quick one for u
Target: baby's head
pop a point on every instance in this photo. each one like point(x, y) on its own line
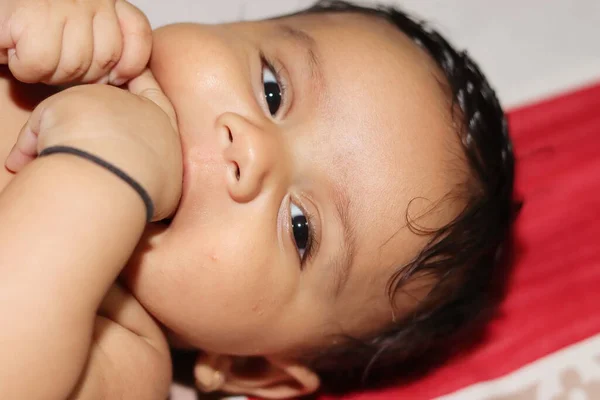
point(347, 189)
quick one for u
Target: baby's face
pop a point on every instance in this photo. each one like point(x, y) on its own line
point(292, 219)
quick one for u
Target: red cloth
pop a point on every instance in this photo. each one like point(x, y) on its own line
point(554, 292)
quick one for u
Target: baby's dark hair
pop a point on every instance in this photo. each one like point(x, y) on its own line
point(465, 256)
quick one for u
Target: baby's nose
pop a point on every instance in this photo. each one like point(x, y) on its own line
point(250, 153)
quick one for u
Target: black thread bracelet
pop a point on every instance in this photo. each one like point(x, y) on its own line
point(98, 161)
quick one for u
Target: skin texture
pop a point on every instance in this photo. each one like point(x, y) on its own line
point(372, 122)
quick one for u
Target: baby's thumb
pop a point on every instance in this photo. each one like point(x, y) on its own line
point(147, 87)
point(26, 148)
point(24, 151)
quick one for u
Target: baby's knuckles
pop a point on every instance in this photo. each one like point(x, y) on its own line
point(51, 6)
point(20, 15)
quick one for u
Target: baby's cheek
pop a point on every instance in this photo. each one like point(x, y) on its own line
point(249, 297)
point(199, 64)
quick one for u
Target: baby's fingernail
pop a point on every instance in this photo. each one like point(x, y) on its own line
point(114, 80)
point(102, 81)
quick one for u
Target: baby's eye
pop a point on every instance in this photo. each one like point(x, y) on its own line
point(300, 229)
point(272, 87)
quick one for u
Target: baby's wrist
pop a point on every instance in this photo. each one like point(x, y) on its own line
point(95, 184)
point(126, 162)
point(113, 169)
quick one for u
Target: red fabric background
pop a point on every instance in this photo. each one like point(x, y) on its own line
point(554, 292)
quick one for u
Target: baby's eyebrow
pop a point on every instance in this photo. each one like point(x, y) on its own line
point(343, 259)
point(305, 40)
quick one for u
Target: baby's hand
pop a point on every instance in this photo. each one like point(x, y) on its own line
point(134, 131)
point(74, 41)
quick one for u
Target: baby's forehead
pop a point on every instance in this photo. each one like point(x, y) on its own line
point(393, 146)
point(388, 118)
point(372, 33)
point(361, 50)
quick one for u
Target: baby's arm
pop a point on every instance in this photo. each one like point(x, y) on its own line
point(128, 350)
point(68, 227)
point(60, 253)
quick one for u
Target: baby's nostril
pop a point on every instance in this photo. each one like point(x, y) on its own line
point(230, 135)
point(237, 171)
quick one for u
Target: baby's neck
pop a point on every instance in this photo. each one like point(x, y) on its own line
point(17, 101)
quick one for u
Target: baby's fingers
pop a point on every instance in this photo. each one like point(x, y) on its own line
point(76, 52)
point(147, 87)
point(107, 45)
point(24, 151)
point(137, 43)
point(37, 52)
point(26, 148)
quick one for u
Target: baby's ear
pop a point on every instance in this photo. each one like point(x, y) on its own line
point(264, 377)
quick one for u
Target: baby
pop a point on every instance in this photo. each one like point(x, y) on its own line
point(329, 193)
